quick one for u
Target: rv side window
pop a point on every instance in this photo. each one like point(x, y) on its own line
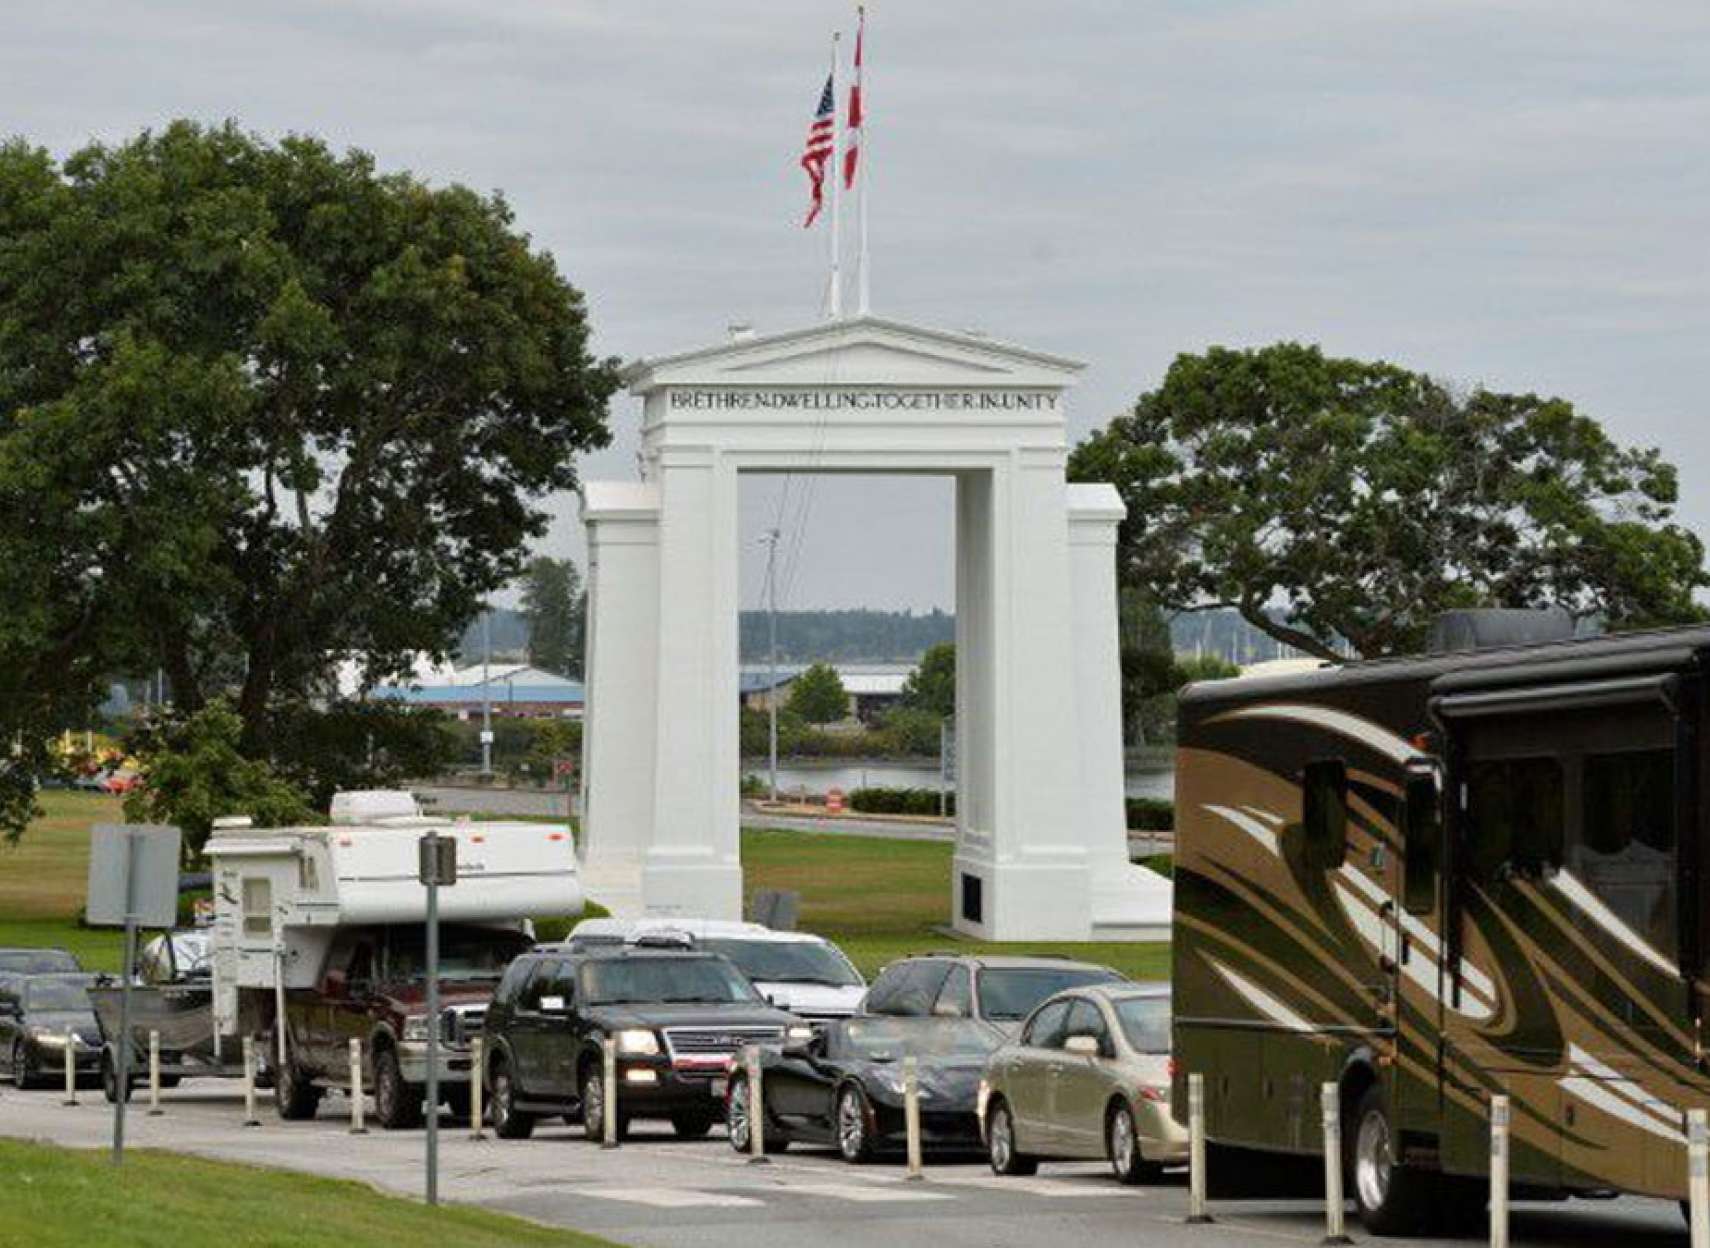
point(1514, 818)
point(257, 906)
point(1421, 839)
point(1624, 848)
point(1326, 819)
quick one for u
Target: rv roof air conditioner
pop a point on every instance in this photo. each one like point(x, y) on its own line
point(373, 806)
point(1482, 628)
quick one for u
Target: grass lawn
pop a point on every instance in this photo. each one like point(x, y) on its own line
point(879, 899)
point(58, 1198)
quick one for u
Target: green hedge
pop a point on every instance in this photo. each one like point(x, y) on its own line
point(879, 801)
point(1151, 814)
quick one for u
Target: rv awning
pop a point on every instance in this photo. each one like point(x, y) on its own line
point(1575, 696)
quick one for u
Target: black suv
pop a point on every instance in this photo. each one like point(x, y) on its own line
point(679, 1019)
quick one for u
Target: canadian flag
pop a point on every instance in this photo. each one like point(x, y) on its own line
point(852, 145)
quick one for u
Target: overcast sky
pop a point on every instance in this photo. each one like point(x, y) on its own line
point(1512, 192)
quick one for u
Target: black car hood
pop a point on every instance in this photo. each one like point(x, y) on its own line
point(949, 1083)
point(58, 1021)
point(688, 1014)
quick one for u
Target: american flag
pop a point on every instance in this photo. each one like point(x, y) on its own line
point(821, 138)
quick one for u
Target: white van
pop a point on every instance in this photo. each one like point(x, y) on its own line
point(798, 971)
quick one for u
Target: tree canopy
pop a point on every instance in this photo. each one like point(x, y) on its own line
point(931, 686)
point(817, 695)
point(1366, 499)
point(263, 407)
point(555, 606)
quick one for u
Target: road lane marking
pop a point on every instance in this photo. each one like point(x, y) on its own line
point(1036, 1187)
point(670, 1197)
point(861, 1193)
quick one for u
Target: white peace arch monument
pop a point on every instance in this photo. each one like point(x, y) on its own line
point(1041, 843)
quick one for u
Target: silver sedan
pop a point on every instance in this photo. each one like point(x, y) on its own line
point(1086, 1076)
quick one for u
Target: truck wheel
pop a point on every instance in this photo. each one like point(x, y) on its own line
point(1393, 1199)
point(398, 1105)
point(294, 1093)
point(509, 1122)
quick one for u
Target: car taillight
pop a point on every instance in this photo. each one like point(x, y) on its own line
point(1173, 1068)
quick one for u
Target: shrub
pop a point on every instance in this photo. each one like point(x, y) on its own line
point(1151, 814)
point(881, 801)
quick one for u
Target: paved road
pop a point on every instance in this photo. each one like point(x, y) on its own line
point(657, 1192)
point(454, 800)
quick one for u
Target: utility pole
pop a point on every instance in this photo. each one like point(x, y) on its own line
point(486, 693)
point(771, 539)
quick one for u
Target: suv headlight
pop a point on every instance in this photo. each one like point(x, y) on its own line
point(416, 1027)
point(638, 1042)
point(799, 1034)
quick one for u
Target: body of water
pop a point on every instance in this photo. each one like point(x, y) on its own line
point(797, 776)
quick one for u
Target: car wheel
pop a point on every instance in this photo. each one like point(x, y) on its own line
point(1001, 1146)
point(1122, 1146)
point(738, 1127)
point(1393, 1199)
point(692, 1124)
point(854, 1129)
point(594, 1107)
point(294, 1094)
point(398, 1105)
point(509, 1122)
point(23, 1068)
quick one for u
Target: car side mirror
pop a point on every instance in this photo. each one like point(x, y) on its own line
point(1085, 1046)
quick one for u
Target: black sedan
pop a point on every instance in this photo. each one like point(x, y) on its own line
point(844, 1087)
point(39, 1016)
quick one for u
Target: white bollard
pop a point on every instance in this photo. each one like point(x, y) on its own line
point(477, 1075)
point(357, 1108)
point(1196, 1149)
point(1335, 1203)
point(608, 1050)
point(1499, 1172)
point(154, 1074)
point(756, 1109)
point(911, 1114)
point(1698, 1176)
point(71, 1068)
point(249, 1118)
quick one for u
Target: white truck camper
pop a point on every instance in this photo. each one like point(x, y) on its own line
point(282, 895)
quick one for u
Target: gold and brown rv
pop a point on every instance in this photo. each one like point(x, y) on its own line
point(1436, 879)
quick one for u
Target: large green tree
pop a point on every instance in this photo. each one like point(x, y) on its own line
point(817, 695)
point(931, 686)
point(262, 406)
point(554, 606)
point(1365, 499)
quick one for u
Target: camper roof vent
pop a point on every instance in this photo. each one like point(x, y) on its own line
point(1484, 627)
point(224, 823)
point(372, 805)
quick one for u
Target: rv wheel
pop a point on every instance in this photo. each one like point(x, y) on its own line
point(294, 1094)
point(1393, 1199)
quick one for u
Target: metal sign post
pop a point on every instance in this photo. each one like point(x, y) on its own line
point(133, 882)
point(438, 867)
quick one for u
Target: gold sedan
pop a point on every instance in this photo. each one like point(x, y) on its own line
point(1086, 1076)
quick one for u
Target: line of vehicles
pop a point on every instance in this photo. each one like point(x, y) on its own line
point(1426, 881)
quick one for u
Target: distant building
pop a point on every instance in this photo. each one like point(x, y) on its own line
point(872, 687)
point(513, 688)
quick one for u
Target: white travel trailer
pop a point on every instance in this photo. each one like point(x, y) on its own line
point(322, 925)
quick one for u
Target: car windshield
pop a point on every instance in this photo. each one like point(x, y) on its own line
point(464, 953)
point(1011, 992)
point(887, 1039)
point(664, 980)
point(55, 994)
point(786, 961)
point(37, 961)
point(1145, 1022)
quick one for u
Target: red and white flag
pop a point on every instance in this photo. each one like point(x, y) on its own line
point(821, 140)
point(852, 149)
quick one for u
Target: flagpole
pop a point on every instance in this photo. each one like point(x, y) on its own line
point(834, 300)
point(863, 174)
